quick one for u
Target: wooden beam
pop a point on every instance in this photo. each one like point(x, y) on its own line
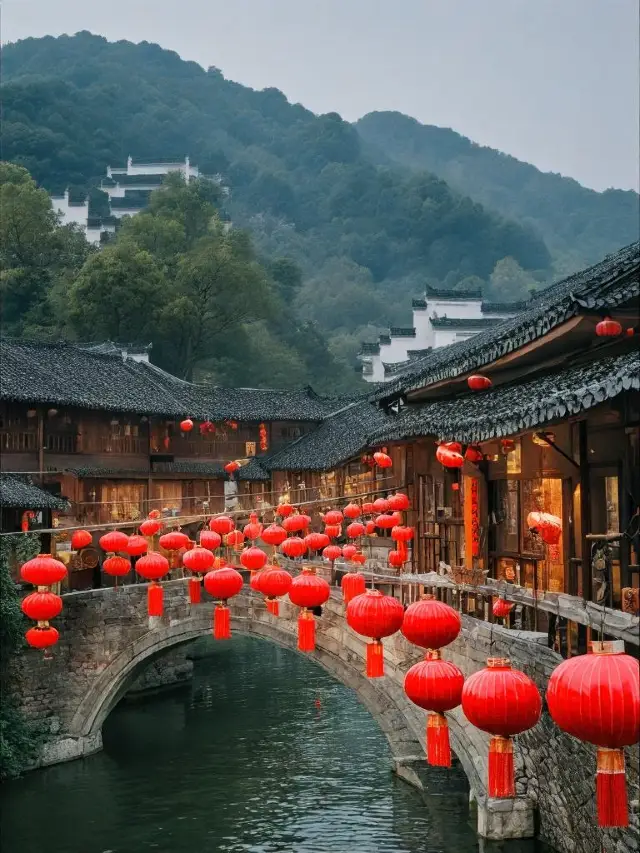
point(585, 508)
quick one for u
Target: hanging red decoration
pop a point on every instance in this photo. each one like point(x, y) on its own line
point(150, 527)
point(219, 562)
point(501, 608)
point(385, 522)
point(398, 502)
point(349, 550)
point(198, 560)
point(369, 507)
point(41, 605)
point(479, 382)
point(275, 583)
point(114, 541)
point(80, 539)
point(507, 445)
point(232, 424)
point(186, 425)
point(400, 533)
point(284, 510)
point(449, 458)
point(253, 558)
point(154, 514)
point(435, 685)
point(382, 459)
point(332, 553)
point(255, 581)
point(359, 558)
point(152, 567)
point(42, 636)
point(316, 541)
point(380, 505)
point(334, 516)
point(454, 446)
point(455, 487)
point(254, 529)
point(548, 526)
point(234, 540)
point(351, 511)
point(274, 535)
point(431, 624)
point(210, 540)
point(355, 530)
point(352, 583)
point(174, 540)
point(503, 702)
point(43, 570)
point(221, 524)
point(333, 531)
point(295, 523)
point(137, 546)
point(232, 467)
point(375, 615)
point(294, 547)
point(307, 591)
point(262, 432)
point(396, 559)
point(117, 567)
point(370, 528)
point(596, 698)
point(473, 454)
point(222, 584)
point(608, 328)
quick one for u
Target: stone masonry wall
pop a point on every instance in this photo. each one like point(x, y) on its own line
point(170, 669)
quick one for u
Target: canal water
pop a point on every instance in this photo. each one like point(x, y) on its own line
point(262, 753)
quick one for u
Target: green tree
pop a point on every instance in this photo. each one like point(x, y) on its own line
point(509, 282)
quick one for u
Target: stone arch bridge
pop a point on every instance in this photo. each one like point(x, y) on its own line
point(106, 640)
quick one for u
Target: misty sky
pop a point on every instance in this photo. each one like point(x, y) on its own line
point(553, 82)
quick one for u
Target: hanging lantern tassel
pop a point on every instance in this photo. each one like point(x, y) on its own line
point(221, 622)
point(306, 631)
point(375, 659)
point(611, 789)
point(155, 597)
point(402, 550)
point(195, 590)
point(438, 748)
point(273, 606)
point(501, 770)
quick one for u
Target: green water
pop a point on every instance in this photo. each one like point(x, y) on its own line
point(262, 753)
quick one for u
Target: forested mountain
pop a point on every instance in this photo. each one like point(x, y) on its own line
point(367, 236)
point(578, 225)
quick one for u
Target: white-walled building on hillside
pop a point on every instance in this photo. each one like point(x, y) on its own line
point(440, 318)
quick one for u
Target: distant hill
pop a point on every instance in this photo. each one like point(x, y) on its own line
point(578, 225)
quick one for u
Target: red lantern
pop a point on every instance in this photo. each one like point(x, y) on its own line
point(503, 702)
point(234, 540)
point(316, 541)
point(359, 558)
point(380, 505)
point(198, 559)
point(398, 502)
point(355, 529)
point(295, 523)
point(370, 528)
point(375, 615)
point(174, 540)
point(348, 551)
point(449, 458)
point(43, 570)
point(435, 685)
point(382, 459)
point(455, 446)
point(308, 591)
point(154, 514)
point(334, 516)
point(473, 454)
point(117, 567)
point(608, 328)
point(253, 530)
point(253, 558)
point(152, 567)
point(274, 535)
point(275, 583)
point(232, 467)
point(351, 511)
point(114, 541)
point(42, 606)
point(80, 539)
point(222, 584)
point(333, 530)
point(596, 698)
point(386, 522)
point(479, 383)
point(368, 508)
point(137, 546)
point(284, 510)
point(332, 553)
point(222, 525)
point(430, 623)
point(402, 534)
point(501, 608)
point(150, 527)
point(548, 526)
point(396, 559)
point(255, 581)
point(294, 547)
point(210, 540)
point(186, 425)
point(42, 637)
point(352, 583)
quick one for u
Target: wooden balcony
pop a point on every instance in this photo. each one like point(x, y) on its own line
point(18, 441)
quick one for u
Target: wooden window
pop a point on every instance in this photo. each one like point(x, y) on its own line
point(122, 501)
point(167, 496)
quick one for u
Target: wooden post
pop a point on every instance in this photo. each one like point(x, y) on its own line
point(41, 445)
point(585, 509)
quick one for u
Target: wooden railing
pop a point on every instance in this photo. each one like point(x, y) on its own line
point(124, 444)
point(18, 442)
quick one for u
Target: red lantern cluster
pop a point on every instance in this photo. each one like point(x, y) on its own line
point(42, 605)
point(308, 591)
point(375, 615)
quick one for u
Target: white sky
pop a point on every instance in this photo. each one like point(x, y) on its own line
point(553, 82)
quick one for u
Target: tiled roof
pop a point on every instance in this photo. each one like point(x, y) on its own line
point(385, 339)
point(456, 295)
point(369, 348)
point(508, 409)
point(200, 470)
point(402, 332)
point(612, 282)
point(418, 303)
point(20, 493)
point(69, 375)
point(338, 439)
point(462, 323)
point(128, 202)
point(418, 353)
point(503, 307)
